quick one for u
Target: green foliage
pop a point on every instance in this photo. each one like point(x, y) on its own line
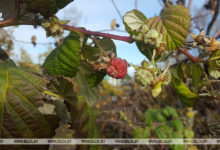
point(171, 29)
point(163, 123)
point(93, 53)
point(84, 79)
point(20, 99)
point(154, 76)
point(82, 115)
point(187, 97)
point(214, 64)
point(64, 60)
point(176, 21)
point(133, 20)
point(196, 73)
point(180, 73)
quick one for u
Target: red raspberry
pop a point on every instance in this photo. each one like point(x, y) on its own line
point(117, 68)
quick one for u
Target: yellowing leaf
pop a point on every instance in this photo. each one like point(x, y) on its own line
point(20, 99)
point(157, 89)
point(187, 97)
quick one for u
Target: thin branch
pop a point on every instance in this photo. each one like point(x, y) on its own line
point(189, 4)
point(216, 34)
point(116, 8)
point(191, 57)
point(26, 42)
point(13, 22)
point(110, 30)
point(214, 17)
point(136, 4)
point(87, 32)
point(200, 16)
point(120, 122)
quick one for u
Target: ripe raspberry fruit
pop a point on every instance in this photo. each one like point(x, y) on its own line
point(117, 68)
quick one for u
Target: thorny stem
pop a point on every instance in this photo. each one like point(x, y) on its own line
point(11, 22)
point(191, 57)
point(87, 32)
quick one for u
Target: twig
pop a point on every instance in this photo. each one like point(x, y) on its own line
point(87, 32)
point(216, 34)
point(191, 57)
point(189, 4)
point(12, 22)
point(120, 122)
point(116, 8)
point(26, 42)
point(110, 30)
point(200, 16)
point(135, 4)
point(214, 17)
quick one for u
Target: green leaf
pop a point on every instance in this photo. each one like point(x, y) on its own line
point(95, 78)
point(176, 124)
point(20, 99)
point(214, 73)
point(163, 131)
point(63, 87)
point(157, 116)
point(196, 73)
point(141, 132)
point(107, 44)
point(214, 60)
point(88, 92)
point(133, 20)
point(83, 121)
point(169, 112)
point(187, 97)
point(93, 53)
point(64, 60)
point(173, 25)
point(90, 53)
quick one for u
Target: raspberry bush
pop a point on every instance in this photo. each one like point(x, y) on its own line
point(72, 73)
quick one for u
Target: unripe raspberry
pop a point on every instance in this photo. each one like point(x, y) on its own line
point(143, 76)
point(117, 68)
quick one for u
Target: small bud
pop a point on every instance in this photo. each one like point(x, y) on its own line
point(145, 64)
point(143, 76)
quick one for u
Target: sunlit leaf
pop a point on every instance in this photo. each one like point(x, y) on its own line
point(186, 96)
point(133, 20)
point(173, 25)
point(157, 89)
point(64, 60)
